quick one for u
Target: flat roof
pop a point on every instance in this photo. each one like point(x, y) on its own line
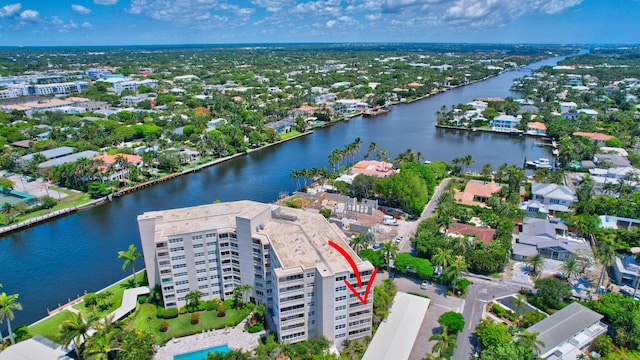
point(87, 154)
point(36, 348)
point(397, 334)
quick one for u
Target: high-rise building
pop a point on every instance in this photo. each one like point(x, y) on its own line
point(283, 253)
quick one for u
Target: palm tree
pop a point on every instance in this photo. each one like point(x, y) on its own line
point(519, 303)
point(442, 258)
point(457, 266)
point(444, 341)
point(536, 261)
point(606, 254)
point(130, 256)
point(75, 330)
point(530, 340)
point(570, 267)
point(238, 294)
point(103, 344)
point(362, 241)
point(8, 305)
point(486, 172)
point(389, 251)
point(193, 299)
point(585, 188)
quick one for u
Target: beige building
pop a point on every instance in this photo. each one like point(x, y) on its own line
point(283, 253)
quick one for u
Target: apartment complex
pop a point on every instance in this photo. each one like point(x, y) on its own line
point(283, 253)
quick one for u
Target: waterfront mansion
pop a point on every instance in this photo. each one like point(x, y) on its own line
point(283, 253)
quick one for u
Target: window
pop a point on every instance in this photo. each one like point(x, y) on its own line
point(182, 291)
point(179, 257)
point(196, 237)
point(210, 236)
point(200, 262)
point(198, 254)
point(341, 278)
point(179, 248)
point(179, 266)
point(341, 298)
point(197, 246)
point(175, 241)
point(181, 274)
point(341, 288)
point(341, 326)
point(341, 317)
point(182, 282)
point(341, 307)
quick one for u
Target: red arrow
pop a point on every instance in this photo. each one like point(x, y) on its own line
point(357, 272)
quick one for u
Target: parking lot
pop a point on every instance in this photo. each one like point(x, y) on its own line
point(440, 303)
point(36, 187)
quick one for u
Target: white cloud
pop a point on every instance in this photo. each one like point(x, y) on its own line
point(372, 17)
point(200, 14)
point(86, 25)
point(318, 8)
point(470, 13)
point(29, 15)
point(10, 10)
point(331, 23)
point(80, 9)
point(273, 5)
point(56, 21)
point(105, 2)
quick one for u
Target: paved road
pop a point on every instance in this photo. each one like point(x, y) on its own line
point(407, 229)
point(478, 294)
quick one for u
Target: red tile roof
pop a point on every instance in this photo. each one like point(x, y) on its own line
point(486, 235)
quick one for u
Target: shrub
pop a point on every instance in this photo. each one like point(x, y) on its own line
point(463, 284)
point(142, 299)
point(453, 321)
point(212, 305)
point(222, 310)
point(90, 299)
point(183, 310)
point(164, 326)
point(195, 318)
point(531, 317)
point(171, 313)
point(254, 328)
point(160, 312)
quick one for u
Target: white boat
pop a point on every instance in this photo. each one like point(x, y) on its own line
point(541, 163)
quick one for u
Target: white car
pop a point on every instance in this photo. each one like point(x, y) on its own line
point(398, 240)
point(424, 285)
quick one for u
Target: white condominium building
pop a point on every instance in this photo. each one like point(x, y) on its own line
point(283, 253)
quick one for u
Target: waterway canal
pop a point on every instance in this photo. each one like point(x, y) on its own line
point(55, 261)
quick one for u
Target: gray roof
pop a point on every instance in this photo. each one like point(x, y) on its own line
point(36, 348)
point(554, 191)
point(561, 326)
point(50, 154)
point(615, 159)
point(541, 227)
point(88, 154)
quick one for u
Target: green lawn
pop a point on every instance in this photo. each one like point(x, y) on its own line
point(290, 134)
point(145, 319)
point(117, 290)
point(50, 328)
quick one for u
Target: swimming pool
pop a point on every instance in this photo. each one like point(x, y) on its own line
point(202, 354)
point(14, 196)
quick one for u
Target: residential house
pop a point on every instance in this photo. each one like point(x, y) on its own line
point(87, 154)
point(380, 169)
point(566, 107)
point(37, 348)
point(532, 109)
point(476, 193)
point(598, 138)
point(569, 332)
point(282, 126)
point(626, 271)
point(536, 128)
point(48, 154)
point(556, 197)
point(484, 234)
point(549, 238)
point(115, 171)
point(504, 123)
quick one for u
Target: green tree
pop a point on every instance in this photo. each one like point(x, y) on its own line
point(444, 342)
point(536, 262)
point(457, 266)
point(453, 321)
point(9, 304)
point(389, 251)
point(552, 291)
point(486, 172)
point(530, 341)
point(442, 258)
point(239, 294)
point(606, 255)
point(130, 256)
point(76, 331)
point(193, 299)
point(570, 267)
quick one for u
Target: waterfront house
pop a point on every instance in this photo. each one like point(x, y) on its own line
point(380, 169)
point(114, 167)
point(528, 109)
point(536, 128)
point(504, 123)
point(476, 193)
point(282, 126)
point(556, 197)
point(626, 271)
point(484, 234)
point(569, 332)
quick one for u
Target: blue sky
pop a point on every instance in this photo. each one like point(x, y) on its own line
point(136, 22)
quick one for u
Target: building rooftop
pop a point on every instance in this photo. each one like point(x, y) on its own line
point(87, 154)
point(564, 324)
point(52, 153)
point(373, 168)
point(298, 237)
point(486, 235)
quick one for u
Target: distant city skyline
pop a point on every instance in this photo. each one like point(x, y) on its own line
point(142, 22)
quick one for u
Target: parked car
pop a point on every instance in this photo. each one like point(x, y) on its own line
point(424, 285)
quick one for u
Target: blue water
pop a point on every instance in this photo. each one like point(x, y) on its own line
point(56, 261)
point(202, 354)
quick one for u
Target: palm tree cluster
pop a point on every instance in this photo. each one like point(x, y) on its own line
point(337, 156)
point(408, 156)
point(8, 304)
